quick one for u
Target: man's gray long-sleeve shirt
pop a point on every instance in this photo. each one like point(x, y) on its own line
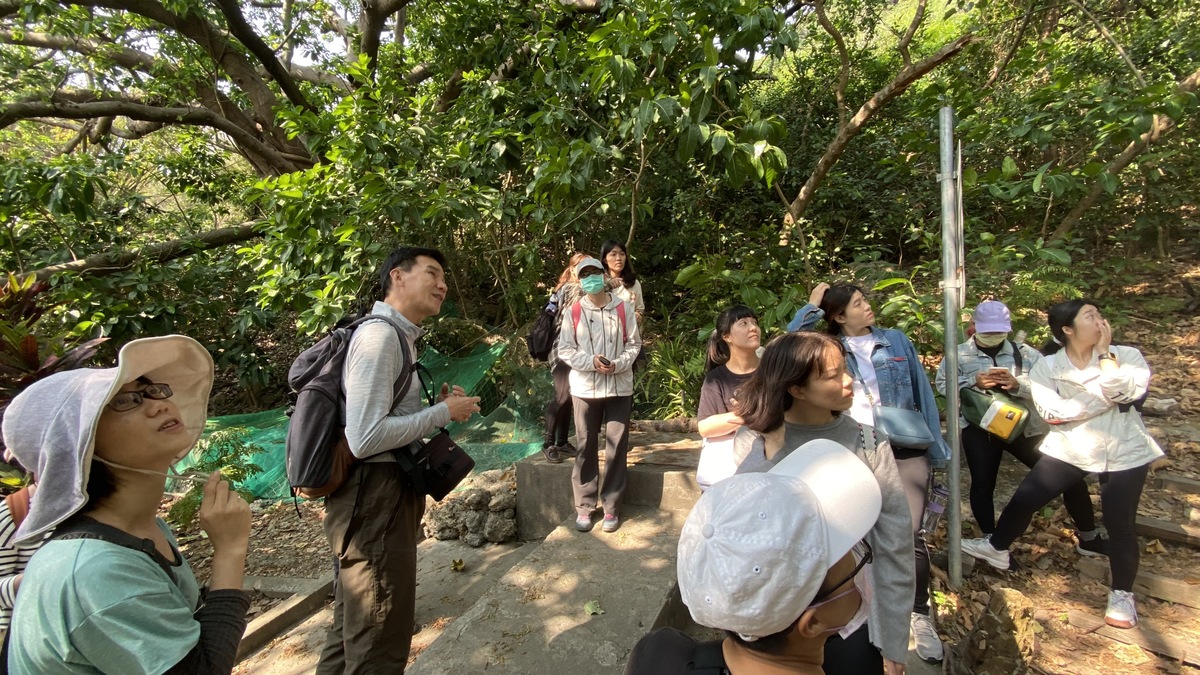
point(373, 364)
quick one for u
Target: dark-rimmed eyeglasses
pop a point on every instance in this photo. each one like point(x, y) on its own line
point(588, 272)
point(863, 560)
point(125, 401)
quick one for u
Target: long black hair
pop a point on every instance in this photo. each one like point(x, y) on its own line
point(627, 276)
point(718, 348)
point(1062, 316)
point(834, 304)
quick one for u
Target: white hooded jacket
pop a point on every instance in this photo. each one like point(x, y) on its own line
point(599, 332)
point(1084, 409)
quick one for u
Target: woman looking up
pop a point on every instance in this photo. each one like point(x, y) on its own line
point(623, 282)
point(109, 591)
point(887, 371)
point(732, 358)
point(1088, 389)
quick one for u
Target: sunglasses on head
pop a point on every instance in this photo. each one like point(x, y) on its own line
point(128, 400)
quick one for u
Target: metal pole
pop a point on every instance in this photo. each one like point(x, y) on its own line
point(952, 289)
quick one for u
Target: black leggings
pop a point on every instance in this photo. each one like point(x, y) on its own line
point(913, 466)
point(985, 451)
point(854, 655)
point(1120, 492)
point(559, 409)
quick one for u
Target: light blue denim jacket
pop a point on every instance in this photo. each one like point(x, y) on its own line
point(902, 380)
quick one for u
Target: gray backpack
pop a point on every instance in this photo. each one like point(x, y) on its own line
point(318, 456)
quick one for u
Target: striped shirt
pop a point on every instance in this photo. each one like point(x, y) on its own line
point(12, 563)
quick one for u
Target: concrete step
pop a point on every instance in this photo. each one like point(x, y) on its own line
point(533, 620)
point(662, 475)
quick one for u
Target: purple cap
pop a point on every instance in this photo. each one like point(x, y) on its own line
point(992, 316)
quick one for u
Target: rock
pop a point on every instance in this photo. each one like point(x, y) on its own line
point(1004, 639)
point(503, 501)
point(1160, 407)
point(474, 540)
point(500, 528)
point(474, 521)
point(476, 499)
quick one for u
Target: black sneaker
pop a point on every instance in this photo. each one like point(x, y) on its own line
point(1093, 548)
point(567, 450)
point(552, 454)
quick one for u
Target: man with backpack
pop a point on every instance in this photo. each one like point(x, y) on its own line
point(373, 520)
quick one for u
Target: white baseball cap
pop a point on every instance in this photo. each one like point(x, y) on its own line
point(588, 262)
point(756, 547)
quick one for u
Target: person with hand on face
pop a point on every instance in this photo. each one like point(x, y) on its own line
point(887, 372)
point(989, 360)
point(1088, 390)
point(773, 559)
point(800, 394)
point(599, 339)
point(732, 357)
point(373, 521)
point(109, 591)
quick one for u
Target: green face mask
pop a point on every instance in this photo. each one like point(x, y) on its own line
point(988, 340)
point(593, 284)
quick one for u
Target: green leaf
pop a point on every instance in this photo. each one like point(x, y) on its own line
point(592, 607)
point(1055, 255)
point(1009, 167)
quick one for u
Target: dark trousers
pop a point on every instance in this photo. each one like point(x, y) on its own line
point(913, 466)
point(1120, 492)
point(985, 451)
point(372, 523)
point(854, 655)
point(559, 408)
point(591, 416)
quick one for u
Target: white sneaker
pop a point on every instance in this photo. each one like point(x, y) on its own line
point(1122, 610)
point(929, 645)
point(982, 549)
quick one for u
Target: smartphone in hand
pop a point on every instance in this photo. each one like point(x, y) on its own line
point(603, 360)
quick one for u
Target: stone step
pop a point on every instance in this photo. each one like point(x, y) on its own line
point(533, 620)
point(662, 475)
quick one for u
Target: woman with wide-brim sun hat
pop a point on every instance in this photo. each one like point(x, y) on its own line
point(110, 591)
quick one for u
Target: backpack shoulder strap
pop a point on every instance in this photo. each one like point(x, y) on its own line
point(576, 314)
point(1017, 358)
point(624, 330)
point(87, 528)
point(708, 658)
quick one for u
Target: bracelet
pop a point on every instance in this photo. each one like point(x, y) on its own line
point(1107, 356)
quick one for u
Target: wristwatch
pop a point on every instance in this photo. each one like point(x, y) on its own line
point(1107, 356)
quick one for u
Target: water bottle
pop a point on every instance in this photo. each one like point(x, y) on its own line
point(939, 496)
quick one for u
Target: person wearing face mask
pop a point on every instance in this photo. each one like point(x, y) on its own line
point(556, 444)
point(800, 393)
point(732, 356)
point(599, 340)
point(989, 360)
point(1089, 391)
point(109, 592)
point(774, 559)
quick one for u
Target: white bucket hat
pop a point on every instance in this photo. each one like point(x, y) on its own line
point(756, 547)
point(50, 427)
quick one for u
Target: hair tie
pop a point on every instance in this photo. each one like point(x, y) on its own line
point(1056, 340)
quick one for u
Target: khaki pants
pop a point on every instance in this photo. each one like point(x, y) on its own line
point(372, 524)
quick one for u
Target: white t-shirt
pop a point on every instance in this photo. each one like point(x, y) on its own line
point(862, 346)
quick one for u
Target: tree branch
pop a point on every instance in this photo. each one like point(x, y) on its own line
point(847, 132)
point(1002, 64)
point(371, 22)
point(124, 57)
point(1158, 126)
point(843, 56)
point(115, 261)
point(244, 32)
point(14, 112)
point(906, 40)
point(1112, 40)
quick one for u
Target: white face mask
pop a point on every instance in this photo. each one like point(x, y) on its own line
point(988, 340)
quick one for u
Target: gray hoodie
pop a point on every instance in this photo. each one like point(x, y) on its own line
point(893, 570)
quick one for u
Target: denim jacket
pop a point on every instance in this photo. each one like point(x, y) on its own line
point(903, 382)
point(972, 361)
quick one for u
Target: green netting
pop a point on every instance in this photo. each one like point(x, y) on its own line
point(510, 430)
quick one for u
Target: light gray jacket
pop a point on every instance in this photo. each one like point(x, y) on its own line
point(893, 570)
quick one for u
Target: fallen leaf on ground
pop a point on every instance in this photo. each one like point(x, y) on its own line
point(593, 607)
